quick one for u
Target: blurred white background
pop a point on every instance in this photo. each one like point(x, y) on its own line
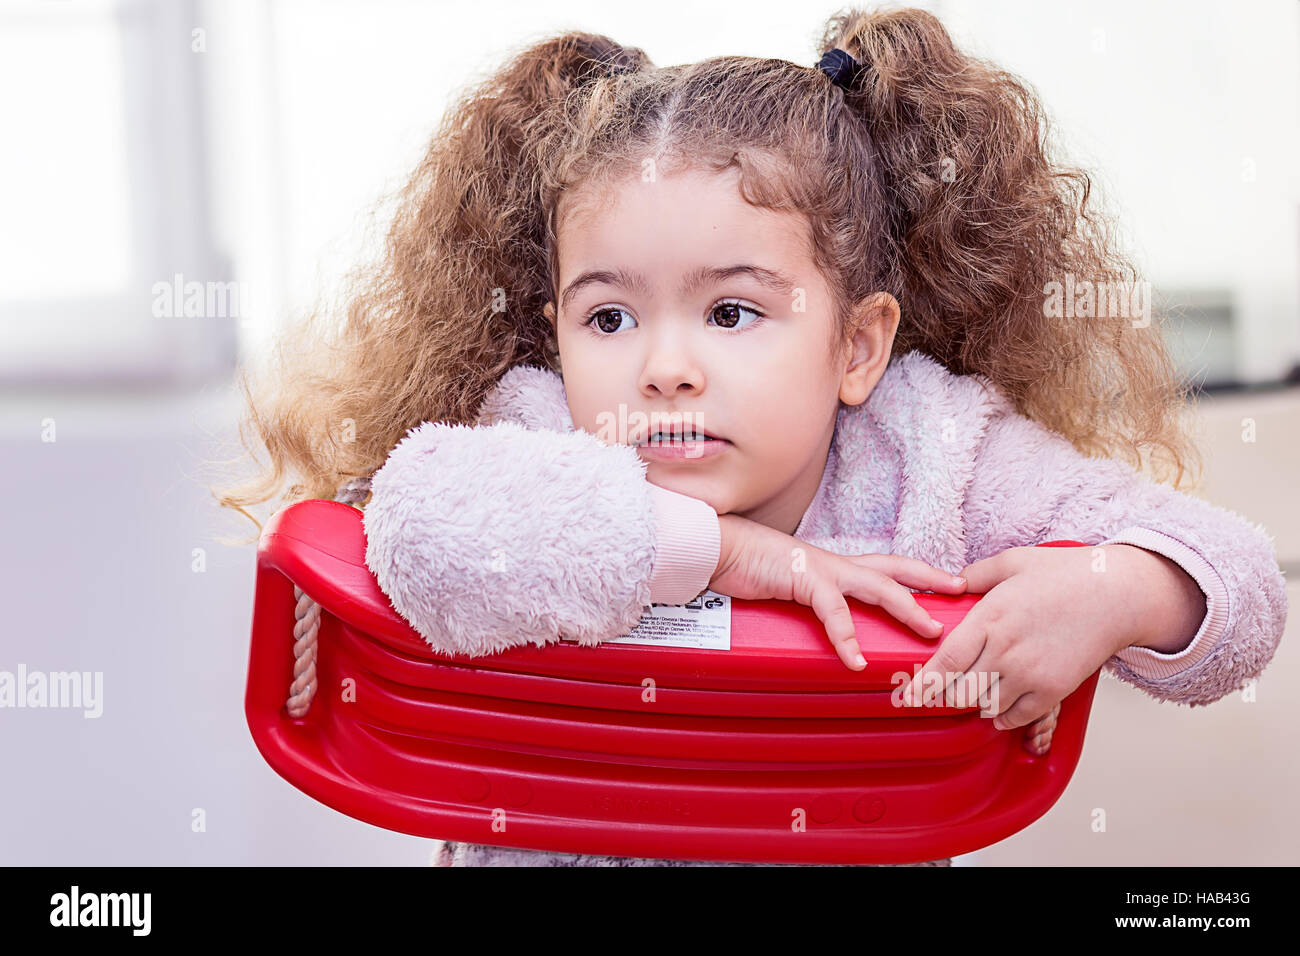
point(244, 145)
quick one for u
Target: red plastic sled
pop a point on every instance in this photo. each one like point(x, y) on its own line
point(770, 752)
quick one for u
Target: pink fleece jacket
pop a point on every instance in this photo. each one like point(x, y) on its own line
point(933, 465)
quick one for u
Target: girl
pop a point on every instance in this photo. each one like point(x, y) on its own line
point(830, 286)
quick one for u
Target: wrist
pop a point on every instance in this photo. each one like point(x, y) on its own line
point(1170, 605)
point(729, 531)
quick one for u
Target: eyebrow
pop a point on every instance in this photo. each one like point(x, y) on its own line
point(776, 281)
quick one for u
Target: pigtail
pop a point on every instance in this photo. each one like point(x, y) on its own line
point(474, 206)
point(982, 222)
point(455, 302)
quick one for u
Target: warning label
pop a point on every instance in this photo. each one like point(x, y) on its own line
point(704, 621)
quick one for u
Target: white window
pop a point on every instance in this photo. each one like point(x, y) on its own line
point(104, 197)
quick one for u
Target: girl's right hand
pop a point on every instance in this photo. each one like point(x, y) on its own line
point(757, 563)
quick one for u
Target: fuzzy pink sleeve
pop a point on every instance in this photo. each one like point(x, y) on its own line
point(490, 537)
point(1031, 485)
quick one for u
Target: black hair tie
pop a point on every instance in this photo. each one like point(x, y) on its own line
point(840, 67)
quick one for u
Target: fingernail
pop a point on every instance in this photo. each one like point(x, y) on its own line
point(958, 581)
point(859, 661)
point(998, 724)
point(935, 625)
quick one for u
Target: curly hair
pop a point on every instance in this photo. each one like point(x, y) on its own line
point(931, 177)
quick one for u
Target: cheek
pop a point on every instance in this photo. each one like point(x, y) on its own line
point(788, 427)
point(592, 410)
point(786, 393)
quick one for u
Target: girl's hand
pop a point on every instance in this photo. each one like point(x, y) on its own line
point(756, 563)
point(1050, 618)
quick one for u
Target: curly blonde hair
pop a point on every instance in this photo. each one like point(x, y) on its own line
point(930, 178)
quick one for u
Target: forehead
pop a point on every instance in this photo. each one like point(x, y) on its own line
point(688, 218)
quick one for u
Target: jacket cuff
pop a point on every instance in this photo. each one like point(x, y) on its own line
point(1156, 665)
point(688, 540)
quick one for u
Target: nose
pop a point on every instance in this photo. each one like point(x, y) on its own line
point(670, 367)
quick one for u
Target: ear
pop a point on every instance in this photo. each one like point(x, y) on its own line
point(553, 347)
point(874, 321)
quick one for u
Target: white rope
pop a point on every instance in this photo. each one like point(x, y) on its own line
point(306, 624)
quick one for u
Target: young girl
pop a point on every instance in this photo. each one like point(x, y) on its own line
point(834, 282)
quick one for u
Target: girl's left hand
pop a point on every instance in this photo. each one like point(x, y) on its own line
point(1050, 618)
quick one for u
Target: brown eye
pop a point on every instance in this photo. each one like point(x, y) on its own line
point(606, 320)
point(728, 315)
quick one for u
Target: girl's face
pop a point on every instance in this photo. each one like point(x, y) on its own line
point(683, 305)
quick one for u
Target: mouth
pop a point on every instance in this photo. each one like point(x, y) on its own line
point(676, 429)
point(679, 437)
